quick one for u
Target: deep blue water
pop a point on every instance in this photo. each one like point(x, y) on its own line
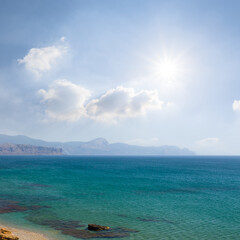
point(160, 197)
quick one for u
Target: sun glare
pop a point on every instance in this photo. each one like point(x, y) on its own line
point(168, 71)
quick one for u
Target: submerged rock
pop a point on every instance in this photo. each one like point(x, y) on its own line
point(11, 206)
point(47, 217)
point(63, 224)
point(86, 234)
point(7, 235)
point(95, 227)
point(8, 206)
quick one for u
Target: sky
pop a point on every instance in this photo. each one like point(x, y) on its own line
point(144, 72)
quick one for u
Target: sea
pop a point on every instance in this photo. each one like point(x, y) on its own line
point(140, 198)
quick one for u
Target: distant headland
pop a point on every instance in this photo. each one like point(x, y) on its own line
point(23, 145)
point(26, 149)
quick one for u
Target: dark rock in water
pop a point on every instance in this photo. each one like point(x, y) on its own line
point(109, 233)
point(85, 234)
point(7, 235)
point(47, 217)
point(7, 206)
point(95, 227)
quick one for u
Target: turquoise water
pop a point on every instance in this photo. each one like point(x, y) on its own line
point(160, 197)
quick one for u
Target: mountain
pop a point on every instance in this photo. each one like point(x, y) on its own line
point(23, 149)
point(20, 139)
point(98, 146)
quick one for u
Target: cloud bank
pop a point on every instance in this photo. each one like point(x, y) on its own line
point(66, 101)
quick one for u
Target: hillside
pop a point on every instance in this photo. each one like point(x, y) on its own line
point(99, 146)
point(23, 149)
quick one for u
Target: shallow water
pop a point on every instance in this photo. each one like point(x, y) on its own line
point(160, 197)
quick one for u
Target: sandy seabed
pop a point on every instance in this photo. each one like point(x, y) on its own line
point(23, 234)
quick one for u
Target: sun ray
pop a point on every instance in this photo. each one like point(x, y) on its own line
point(167, 70)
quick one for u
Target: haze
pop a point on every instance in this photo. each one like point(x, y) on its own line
point(146, 72)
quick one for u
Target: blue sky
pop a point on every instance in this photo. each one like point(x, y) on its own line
point(134, 71)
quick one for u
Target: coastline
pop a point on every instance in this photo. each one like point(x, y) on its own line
point(24, 234)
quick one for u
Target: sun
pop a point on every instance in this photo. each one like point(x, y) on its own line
point(168, 69)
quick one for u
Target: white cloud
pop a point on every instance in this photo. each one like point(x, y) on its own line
point(122, 103)
point(65, 101)
point(208, 142)
point(39, 60)
point(236, 105)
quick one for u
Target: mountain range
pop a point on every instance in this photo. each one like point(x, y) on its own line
point(26, 149)
point(98, 146)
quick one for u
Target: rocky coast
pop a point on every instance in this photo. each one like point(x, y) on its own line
point(10, 233)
